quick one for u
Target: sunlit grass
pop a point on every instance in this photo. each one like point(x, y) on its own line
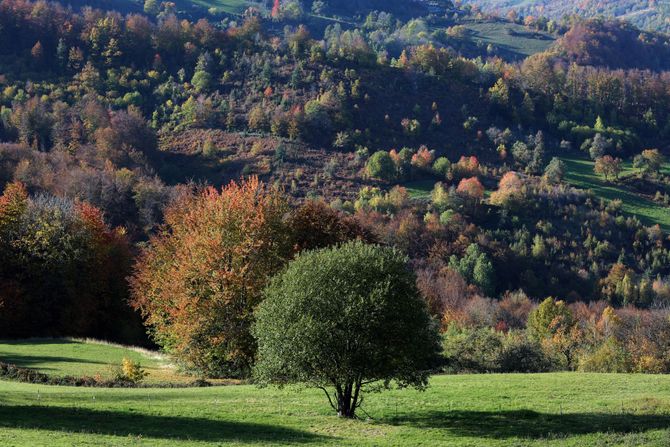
point(562, 409)
point(72, 357)
point(579, 172)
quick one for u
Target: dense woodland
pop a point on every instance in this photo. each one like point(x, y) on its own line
point(119, 136)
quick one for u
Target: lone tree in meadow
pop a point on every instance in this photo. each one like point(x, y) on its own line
point(345, 320)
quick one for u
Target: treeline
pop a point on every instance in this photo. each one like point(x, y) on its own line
point(63, 270)
point(518, 335)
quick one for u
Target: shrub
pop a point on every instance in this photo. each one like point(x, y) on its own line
point(609, 357)
point(132, 370)
point(471, 350)
point(520, 354)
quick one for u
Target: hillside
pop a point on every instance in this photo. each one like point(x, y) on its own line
point(611, 44)
point(646, 14)
point(76, 357)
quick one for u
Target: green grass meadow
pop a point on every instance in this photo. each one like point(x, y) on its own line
point(513, 39)
point(420, 189)
point(229, 6)
point(73, 357)
point(564, 409)
point(579, 173)
point(559, 409)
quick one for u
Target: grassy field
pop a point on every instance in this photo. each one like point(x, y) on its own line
point(515, 40)
point(565, 409)
point(562, 409)
point(229, 6)
point(579, 172)
point(420, 189)
point(68, 357)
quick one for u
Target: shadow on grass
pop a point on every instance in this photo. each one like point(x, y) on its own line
point(105, 422)
point(29, 361)
point(531, 424)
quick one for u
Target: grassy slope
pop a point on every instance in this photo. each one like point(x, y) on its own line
point(564, 409)
point(521, 44)
point(61, 357)
point(420, 189)
point(579, 172)
point(229, 6)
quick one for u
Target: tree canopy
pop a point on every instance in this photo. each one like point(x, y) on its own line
point(198, 281)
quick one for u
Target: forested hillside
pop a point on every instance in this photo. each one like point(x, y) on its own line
point(646, 14)
point(509, 161)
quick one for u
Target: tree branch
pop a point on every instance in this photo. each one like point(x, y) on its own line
point(330, 401)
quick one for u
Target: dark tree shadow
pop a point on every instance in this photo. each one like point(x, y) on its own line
point(531, 424)
point(29, 361)
point(105, 422)
point(41, 341)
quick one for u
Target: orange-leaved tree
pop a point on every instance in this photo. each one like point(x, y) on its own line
point(198, 282)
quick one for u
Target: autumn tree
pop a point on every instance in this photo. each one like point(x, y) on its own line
point(62, 269)
point(548, 318)
point(608, 166)
point(198, 281)
point(510, 191)
point(316, 225)
point(423, 159)
point(33, 122)
point(37, 53)
point(127, 132)
point(471, 188)
point(649, 161)
point(499, 93)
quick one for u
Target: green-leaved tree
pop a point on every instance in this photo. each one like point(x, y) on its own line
point(345, 320)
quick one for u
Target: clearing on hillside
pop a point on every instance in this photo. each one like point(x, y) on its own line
point(579, 173)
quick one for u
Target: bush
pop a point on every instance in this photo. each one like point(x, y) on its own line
point(610, 357)
point(484, 351)
point(29, 375)
point(519, 354)
point(133, 371)
point(471, 350)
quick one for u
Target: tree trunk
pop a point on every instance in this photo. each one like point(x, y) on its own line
point(348, 399)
